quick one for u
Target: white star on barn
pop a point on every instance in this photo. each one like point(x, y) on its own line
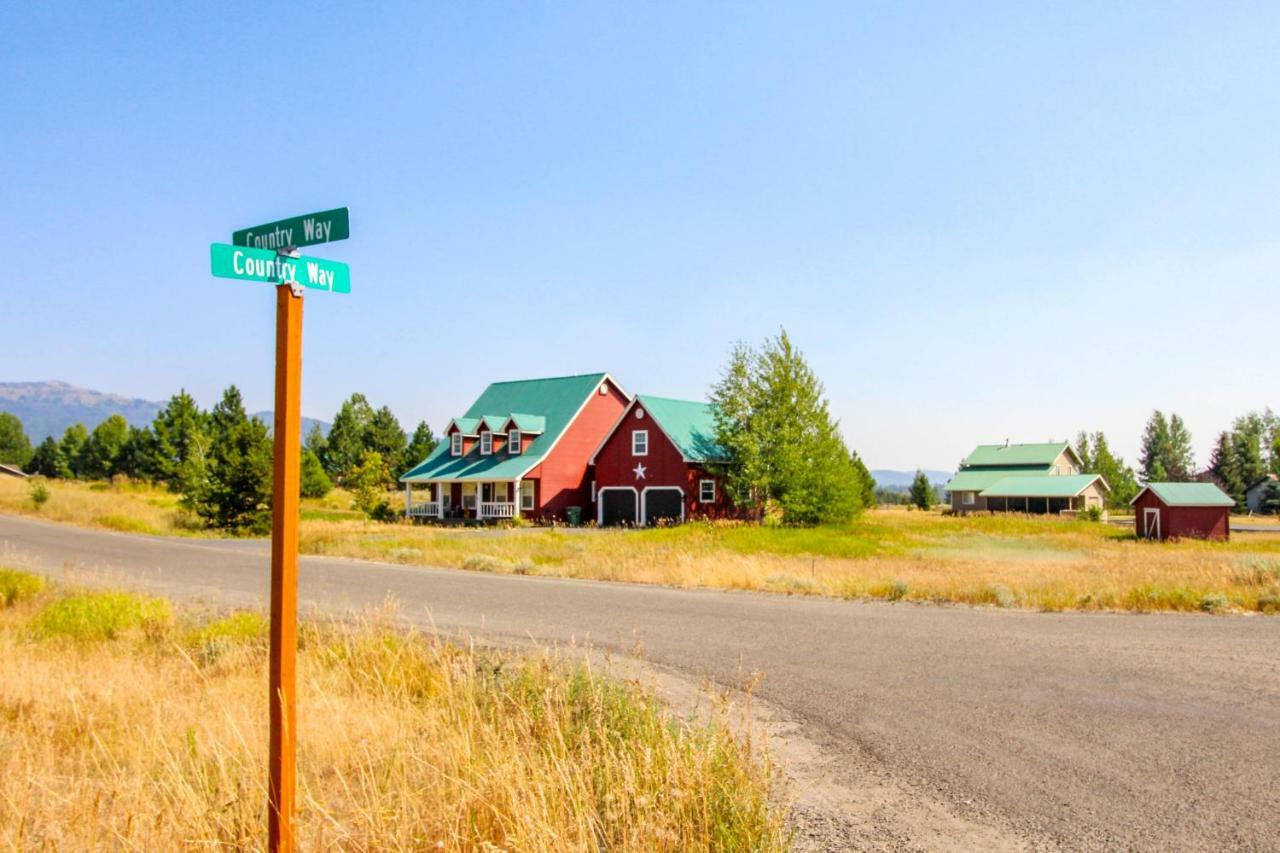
point(639, 469)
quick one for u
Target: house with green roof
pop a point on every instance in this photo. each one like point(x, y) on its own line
point(660, 464)
point(1033, 478)
point(522, 449)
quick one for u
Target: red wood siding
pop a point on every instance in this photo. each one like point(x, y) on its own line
point(563, 472)
point(664, 466)
point(1183, 522)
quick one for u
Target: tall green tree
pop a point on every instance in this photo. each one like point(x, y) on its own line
point(921, 491)
point(387, 439)
point(419, 448)
point(137, 457)
point(1225, 468)
point(315, 441)
point(181, 445)
point(315, 482)
point(236, 492)
point(785, 447)
point(15, 447)
point(1181, 462)
point(348, 438)
point(72, 444)
point(97, 458)
point(866, 481)
point(368, 484)
point(1166, 454)
point(48, 460)
point(1096, 458)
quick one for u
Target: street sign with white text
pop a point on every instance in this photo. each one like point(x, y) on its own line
point(262, 265)
point(323, 227)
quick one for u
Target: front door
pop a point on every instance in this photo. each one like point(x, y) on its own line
point(1151, 523)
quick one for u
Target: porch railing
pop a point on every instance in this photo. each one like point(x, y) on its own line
point(497, 509)
point(429, 509)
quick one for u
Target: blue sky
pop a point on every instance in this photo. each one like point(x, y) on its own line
point(1017, 220)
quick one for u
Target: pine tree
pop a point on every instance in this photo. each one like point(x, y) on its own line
point(15, 447)
point(315, 482)
point(420, 447)
point(867, 482)
point(1180, 463)
point(386, 438)
point(48, 461)
point(1271, 499)
point(97, 458)
point(1224, 467)
point(137, 458)
point(1119, 476)
point(921, 491)
point(1155, 442)
point(181, 431)
point(1083, 451)
point(348, 438)
point(786, 449)
point(236, 493)
point(315, 441)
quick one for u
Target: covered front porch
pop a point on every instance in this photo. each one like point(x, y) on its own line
point(475, 500)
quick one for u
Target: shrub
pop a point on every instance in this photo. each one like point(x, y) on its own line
point(897, 590)
point(1214, 603)
point(999, 595)
point(18, 586)
point(101, 616)
point(1269, 602)
point(485, 563)
point(1093, 513)
point(39, 492)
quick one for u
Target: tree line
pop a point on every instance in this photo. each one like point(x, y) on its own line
point(220, 461)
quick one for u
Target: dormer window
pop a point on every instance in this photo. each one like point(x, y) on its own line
point(513, 442)
point(455, 444)
point(640, 442)
point(486, 443)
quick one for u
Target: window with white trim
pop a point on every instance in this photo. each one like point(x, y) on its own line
point(640, 442)
point(513, 442)
point(455, 444)
point(707, 491)
point(967, 498)
point(486, 443)
point(526, 494)
point(500, 492)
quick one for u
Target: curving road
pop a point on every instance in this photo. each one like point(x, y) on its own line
point(1065, 730)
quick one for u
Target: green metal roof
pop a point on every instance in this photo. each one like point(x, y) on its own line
point(529, 424)
point(466, 426)
point(557, 401)
point(495, 423)
point(1042, 486)
point(691, 426)
point(978, 479)
point(1188, 494)
point(987, 455)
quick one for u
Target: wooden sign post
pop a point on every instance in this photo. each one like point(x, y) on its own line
point(286, 489)
point(251, 257)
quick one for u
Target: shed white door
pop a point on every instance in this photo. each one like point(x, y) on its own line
point(1151, 523)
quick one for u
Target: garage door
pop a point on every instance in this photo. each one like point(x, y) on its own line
point(617, 507)
point(663, 505)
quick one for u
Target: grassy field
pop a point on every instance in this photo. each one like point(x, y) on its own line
point(126, 724)
point(1002, 561)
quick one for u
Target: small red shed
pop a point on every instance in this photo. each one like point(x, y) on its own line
point(1182, 510)
point(657, 466)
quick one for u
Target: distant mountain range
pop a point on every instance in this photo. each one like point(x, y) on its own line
point(902, 479)
point(48, 408)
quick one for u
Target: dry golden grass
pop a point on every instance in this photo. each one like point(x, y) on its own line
point(156, 739)
point(1038, 563)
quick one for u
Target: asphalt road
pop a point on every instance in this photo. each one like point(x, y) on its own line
point(1071, 730)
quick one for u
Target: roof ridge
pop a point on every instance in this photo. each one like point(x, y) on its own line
point(550, 378)
point(676, 400)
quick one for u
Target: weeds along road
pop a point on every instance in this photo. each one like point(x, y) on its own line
point(1071, 730)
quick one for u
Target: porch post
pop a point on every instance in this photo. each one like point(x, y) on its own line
point(440, 487)
point(408, 498)
point(515, 498)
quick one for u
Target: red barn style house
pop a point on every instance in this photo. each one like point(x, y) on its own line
point(1182, 510)
point(652, 466)
point(522, 449)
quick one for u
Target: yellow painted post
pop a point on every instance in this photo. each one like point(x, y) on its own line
point(282, 781)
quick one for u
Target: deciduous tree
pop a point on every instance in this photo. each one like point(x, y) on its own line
point(15, 447)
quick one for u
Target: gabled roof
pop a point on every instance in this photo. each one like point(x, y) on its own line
point(495, 423)
point(527, 424)
point(993, 455)
point(1187, 494)
point(1266, 478)
point(690, 425)
point(977, 479)
point(466, 426)
point(557, 401)
point(1044, 486)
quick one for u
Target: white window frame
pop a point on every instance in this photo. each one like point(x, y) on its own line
point(486, 443)
point(527, 495)
point(968, 498)
point(702, 491)
point(470, 501)
point(514, 438)
point(643, 435)
point(455, 444)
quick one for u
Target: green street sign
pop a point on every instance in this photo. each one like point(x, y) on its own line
point(262, 265)
point(323, 227)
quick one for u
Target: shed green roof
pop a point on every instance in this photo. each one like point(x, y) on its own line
point(1188, 494)
point(987, 455)
point(690, 425)
point(1042, 486)
point(978, 479)
point(557, 401)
